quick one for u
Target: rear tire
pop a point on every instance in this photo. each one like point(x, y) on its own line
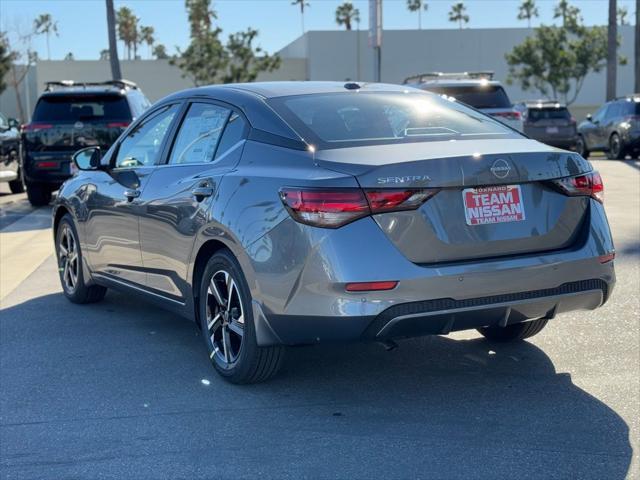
point(70, 265)
point(515, 332)
point(38, 194)
point(227, 324)
point(16, 186)
point(616, 148)
point(581, 147)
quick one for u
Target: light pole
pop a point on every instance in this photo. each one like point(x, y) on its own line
point(375, 37)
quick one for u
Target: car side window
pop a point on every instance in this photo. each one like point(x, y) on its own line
point(198, 137)
point(600, 114)
point(234, 132)
point(141, 147)
point(614, 111)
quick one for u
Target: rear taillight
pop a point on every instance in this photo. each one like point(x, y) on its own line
point(589, 184)
point(35, 126)
point(513, 115)
point(335, 207)
point(118, 124)
point(370, 286)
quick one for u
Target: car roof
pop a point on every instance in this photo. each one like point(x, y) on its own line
point(268, 90)
point(86, 91)
point(543, 103)
point(461, 82)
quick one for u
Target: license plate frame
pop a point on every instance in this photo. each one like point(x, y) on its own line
point(493, 204)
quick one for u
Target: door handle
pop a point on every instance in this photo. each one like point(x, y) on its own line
point(131, 193)
point(202, 192)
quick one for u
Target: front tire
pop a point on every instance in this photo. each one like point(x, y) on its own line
point(616, 148)
point(227, 324)
point(581, 147)
point(38, 194)
point(70, 265)
point(515, 332)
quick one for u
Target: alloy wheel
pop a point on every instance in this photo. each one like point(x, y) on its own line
point(225, 318)
point(615, 146)
point(68, 258)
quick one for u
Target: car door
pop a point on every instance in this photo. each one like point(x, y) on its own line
point(177, 200)
point(609, 123)
point(112, 198)
point(593, 131)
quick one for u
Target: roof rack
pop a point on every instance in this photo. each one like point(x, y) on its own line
point(545, 102)
point(423, 77)
point(121, 84)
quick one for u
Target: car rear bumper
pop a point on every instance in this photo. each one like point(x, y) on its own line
point(47, 167)
point(309, 304)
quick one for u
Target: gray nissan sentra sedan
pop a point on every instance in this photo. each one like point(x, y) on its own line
point(291, 213)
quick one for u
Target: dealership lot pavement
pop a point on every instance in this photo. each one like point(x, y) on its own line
point(122, 389)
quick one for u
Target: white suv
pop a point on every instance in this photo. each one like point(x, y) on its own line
point(476, 89)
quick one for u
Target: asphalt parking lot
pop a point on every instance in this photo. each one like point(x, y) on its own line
point(122, 389)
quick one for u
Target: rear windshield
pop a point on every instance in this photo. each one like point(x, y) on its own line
point(73, 108)
point(536, 114)
point(478, 96)
point(352, 119)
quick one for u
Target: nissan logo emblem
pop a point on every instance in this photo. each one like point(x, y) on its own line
point(500, 168)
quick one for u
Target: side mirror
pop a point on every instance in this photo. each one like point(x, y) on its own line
point(589, 117)
point(88, 158)
point(13, 123)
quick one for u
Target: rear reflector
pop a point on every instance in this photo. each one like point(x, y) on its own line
point(370, 286)
point(507, 115)
point(589, 184)
point(118, 124)
point(607, 258)
point(47, 164)
point(335, 207)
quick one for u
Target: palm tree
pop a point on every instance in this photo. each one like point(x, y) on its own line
point(146, 36)
point(612, 50)
point(417, 6)
point(128, 30)
point(622, 15)
point(346, 14)
point(458, 14)
point(302, 4)
point(44, 24)
point(116, 74)
point(567, 12)
point(160, 52)
point(527, 11)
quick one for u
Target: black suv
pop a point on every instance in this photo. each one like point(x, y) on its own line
point(614, 128)
point(548, 121)
point(70, 116)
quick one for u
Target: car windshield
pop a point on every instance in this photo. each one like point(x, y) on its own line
point(353, 119)
point(536, 114)
point(73, 108)
point(477, 96)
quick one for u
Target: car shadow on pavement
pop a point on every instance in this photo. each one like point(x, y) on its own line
point(437, 406)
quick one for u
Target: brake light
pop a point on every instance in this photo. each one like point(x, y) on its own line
point(47, 164)
point(589, 184)
point(333, 208)
point(32, 127)
point(118, 124)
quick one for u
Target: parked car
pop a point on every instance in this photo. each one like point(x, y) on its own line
point(550, 122)
point(476, 89)
point(10, 153)
point(614, 129)
point(67, 117)
point(292, 213)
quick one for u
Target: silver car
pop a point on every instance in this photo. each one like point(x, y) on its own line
point(292, 213)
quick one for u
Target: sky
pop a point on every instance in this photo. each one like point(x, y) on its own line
point(83, 32)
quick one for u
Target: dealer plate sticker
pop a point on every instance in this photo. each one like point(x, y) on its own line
point(493, 204)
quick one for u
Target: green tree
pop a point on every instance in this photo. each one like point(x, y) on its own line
point(6, 59)
point(69, 56)
point(146, 36)
point(556, 60)
point(527, 11)
point(104, 54)
point(302, 4)
point(458, 13)
point(622, 16)
point(160, 52)
point(245, 60)
point(346, 14)
point(569, 14)
point(417, 6)
point(44, 24)
point(128, 30)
